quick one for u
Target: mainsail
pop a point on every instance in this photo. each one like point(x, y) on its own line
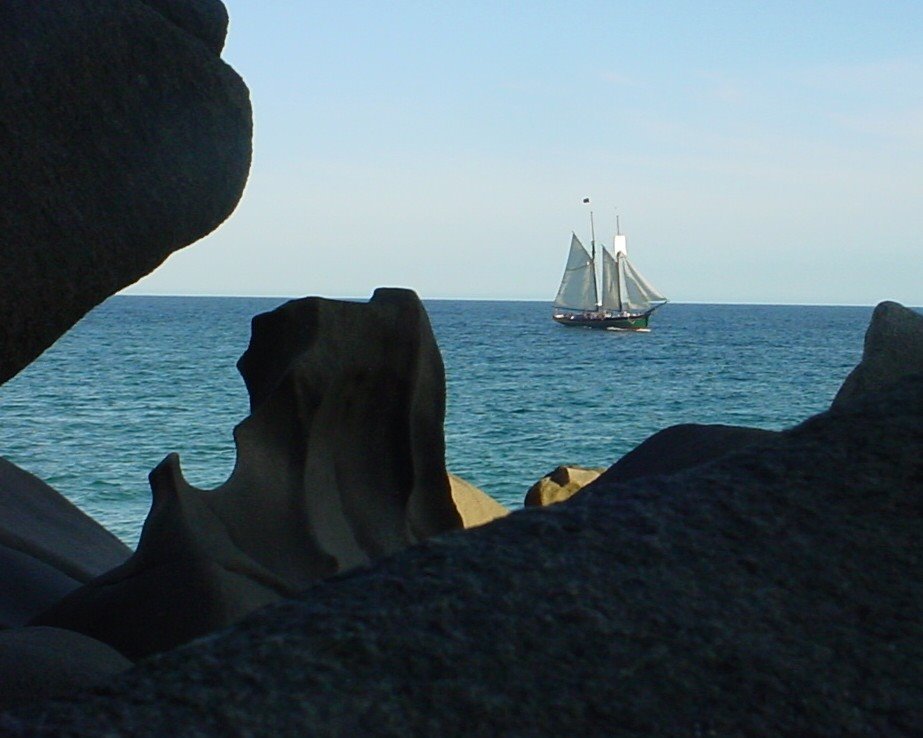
point(611, 294)
point(578, 286)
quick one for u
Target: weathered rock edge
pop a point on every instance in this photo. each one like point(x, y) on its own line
point(341, 461)
point(772, 591)
point(48, 546)
point(123, 137)
point(893, 348)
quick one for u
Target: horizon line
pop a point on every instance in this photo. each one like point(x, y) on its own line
point(499, 299)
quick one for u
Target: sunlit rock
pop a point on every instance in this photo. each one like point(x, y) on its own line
point(561, 484)
point(474, 506)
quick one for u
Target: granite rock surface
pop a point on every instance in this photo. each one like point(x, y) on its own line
point(475, 506)
point(206, 20)
point(681, 447)
point(123, 137)
point(559, 485)
point(38, 663)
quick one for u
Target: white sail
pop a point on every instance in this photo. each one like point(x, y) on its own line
point(578, 286)
point(638, 294)
point(610, 294)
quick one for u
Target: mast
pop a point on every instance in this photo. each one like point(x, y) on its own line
point(593, 254)
point(620, 276)
point(620, 248)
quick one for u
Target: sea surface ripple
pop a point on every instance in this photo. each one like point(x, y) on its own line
point(140, 377)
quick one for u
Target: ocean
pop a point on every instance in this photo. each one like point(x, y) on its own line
point(140, 377)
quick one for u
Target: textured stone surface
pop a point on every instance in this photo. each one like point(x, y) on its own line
point(341, 461)
point(893, 348)
point(474, 506)
point(774, 591)
point(561, 484)
point(48, 547)
point(123, 137)
point(38, 663)
point(681, 447)
point(207, 20)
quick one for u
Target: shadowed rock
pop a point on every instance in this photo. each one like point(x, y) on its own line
point(48, 547)
point(681, 447)
point(774, 591)
point(207, 20)
point(561, 484)
point(38, 663)
point(893, 348)
point(341, 461)
point(123, 137)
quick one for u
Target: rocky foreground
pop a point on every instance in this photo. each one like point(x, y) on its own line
point(772, 590)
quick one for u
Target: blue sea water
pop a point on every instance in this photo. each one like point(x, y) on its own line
point(140, 377)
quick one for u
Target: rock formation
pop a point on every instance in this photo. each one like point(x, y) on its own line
point(207, 20)
point(561, 484)
point(893, 348)
point(38, 663)
point(666, 452)
point(48, 547)
point(341, 461)
point(681, 447)
point(775, 590)
point(473, 505)
point(123, 137)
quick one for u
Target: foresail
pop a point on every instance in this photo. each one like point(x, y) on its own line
point(611, 295)
point(639, 294)
point(578, 286)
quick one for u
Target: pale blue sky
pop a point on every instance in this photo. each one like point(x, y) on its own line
point(756, 152)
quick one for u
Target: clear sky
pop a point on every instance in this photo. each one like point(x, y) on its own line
point(755, 151)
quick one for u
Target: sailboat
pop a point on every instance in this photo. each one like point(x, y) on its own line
point(624, 300)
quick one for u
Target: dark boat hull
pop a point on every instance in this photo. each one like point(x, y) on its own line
point(601, 322)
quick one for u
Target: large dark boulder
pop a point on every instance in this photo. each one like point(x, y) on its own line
point(341, 461)
point(38, 663)
point(680, 447)
point(123, 137)
point(207, 20)
point(48, 547)
point(775, 590)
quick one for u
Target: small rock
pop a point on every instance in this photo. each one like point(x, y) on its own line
point(475, 506)
point(561, 484)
